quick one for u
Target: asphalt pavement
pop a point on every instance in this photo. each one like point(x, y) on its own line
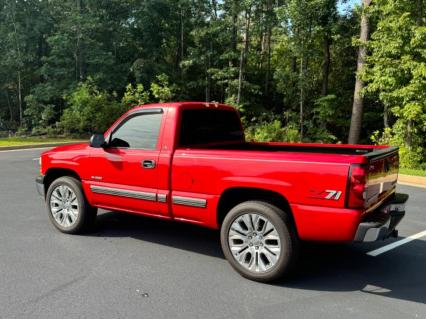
point(136, 267)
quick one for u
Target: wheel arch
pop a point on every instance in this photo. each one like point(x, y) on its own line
point(55, 173)
point(236, 195)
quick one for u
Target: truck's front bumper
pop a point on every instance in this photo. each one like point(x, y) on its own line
point(40, 185)
point(381, 223)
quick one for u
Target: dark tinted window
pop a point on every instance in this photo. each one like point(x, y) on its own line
point(140, 132)
point(209, 126)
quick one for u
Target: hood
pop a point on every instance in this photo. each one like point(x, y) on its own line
point(68, 148)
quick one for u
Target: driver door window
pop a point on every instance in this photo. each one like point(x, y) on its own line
point(137, 132)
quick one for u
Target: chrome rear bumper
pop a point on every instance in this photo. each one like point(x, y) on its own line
point(382, 222)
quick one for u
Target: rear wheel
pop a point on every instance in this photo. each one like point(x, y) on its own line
point(259, 241)
point(67, 206)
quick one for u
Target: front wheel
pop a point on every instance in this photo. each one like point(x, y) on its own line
point(67, 206)
point(259, 241)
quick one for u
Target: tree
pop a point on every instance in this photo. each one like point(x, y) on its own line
point(244, 48)
point(328, 19)
point(18, 48)
point(286, 65)
point(396, 74)
point(89, 109)
point(357, 108)
point(306, 22)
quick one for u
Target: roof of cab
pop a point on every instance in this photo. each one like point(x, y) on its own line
point(185, 105)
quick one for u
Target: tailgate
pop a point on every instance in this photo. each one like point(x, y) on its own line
point(382, 175)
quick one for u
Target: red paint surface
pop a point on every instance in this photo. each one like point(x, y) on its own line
point(207, 174)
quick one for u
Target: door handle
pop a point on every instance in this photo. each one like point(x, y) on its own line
point(148, 164)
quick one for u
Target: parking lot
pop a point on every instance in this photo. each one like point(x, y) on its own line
point(135, 267)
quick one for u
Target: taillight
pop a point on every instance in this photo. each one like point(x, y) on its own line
point(356, 189)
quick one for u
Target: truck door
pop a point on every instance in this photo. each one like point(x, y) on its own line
point(124, 174)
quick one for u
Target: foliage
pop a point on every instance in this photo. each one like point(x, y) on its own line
point(75, 65)
point(135, 95)
point(90, 109)
point(162, 90)
point(21, 141)
point(396, 74)
point(38, 114)
point(414, 172)
point(410, 157)
point(313, 30)
point(270, 130)
point(323, 119)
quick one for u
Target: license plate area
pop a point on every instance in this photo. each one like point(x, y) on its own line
point(397, 207)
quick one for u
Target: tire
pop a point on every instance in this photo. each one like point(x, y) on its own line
point(67, 206)
point(251, 251)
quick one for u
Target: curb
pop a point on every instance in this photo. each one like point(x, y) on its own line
point(410, 180)
point(35, 146)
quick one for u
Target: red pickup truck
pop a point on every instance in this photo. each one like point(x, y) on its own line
point(190, 162)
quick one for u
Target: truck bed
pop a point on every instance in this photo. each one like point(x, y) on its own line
point(380, 162)
point(344, 149)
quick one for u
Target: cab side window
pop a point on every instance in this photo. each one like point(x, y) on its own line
point(139, 131)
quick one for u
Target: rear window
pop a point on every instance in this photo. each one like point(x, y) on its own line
point(209, 126)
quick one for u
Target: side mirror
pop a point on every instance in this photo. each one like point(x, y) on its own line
point(97, 141)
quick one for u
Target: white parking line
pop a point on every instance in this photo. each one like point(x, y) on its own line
point(398, 243)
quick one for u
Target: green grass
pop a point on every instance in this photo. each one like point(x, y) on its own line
point(22, 141)
point(411, 171)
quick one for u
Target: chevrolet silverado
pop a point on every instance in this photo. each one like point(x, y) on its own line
point(190, 162)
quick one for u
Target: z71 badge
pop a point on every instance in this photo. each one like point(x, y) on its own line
point(326, 194)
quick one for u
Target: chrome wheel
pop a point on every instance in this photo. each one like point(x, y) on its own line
point(254, 242)
point(64, 206)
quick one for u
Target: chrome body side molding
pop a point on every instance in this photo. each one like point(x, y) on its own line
point(161, 198)
point(189, 201)
point(123, 193)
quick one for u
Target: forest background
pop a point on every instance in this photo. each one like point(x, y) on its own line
point(298, 70)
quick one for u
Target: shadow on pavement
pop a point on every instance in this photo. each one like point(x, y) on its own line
point(173, 234)
point(400, 273)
